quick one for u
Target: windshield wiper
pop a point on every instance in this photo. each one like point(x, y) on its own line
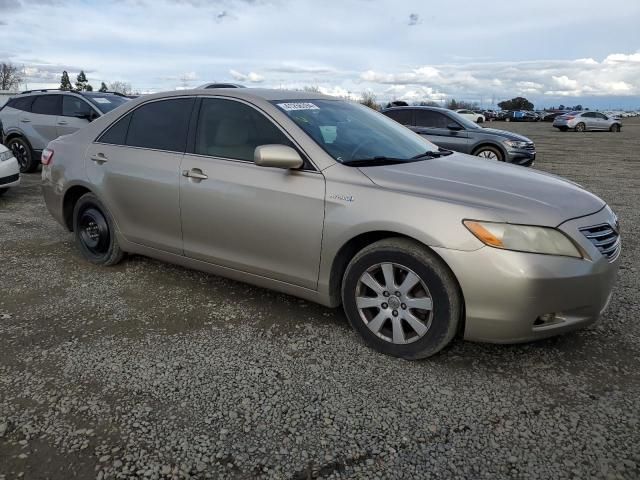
point(441, 152)
point(374, 161)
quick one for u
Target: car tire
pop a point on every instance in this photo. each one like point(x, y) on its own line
point(24, 154)
point(615, 127)
point(479, 120)
point(387, 321)
point(581, 127)
point(94, 232)
point(3, 191)
point(490, 153)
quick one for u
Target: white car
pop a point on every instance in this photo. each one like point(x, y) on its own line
point(9, 170)
point(471, 115)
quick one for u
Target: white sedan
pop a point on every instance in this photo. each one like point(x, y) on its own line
point(9, 170)
point(471, 115)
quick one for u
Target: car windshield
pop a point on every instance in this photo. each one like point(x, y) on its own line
point(351, 132)
point(464, 121)
point(106, 102)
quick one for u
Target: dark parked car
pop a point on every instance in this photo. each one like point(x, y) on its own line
point(550, 116)
point(520, 116)
point(449, 130)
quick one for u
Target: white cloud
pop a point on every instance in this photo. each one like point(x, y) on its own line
point(249, 77)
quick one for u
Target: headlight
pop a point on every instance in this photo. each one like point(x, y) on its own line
point(523, 238)
point(6, 155)
point(516, 144)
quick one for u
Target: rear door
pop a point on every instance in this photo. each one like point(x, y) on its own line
point(434, 125)
point(76, 114)
point(43, 120)
point(135, 166)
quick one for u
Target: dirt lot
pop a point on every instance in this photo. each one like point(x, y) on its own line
point(150, 370)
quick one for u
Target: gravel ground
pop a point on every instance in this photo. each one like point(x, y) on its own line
point(150, 370)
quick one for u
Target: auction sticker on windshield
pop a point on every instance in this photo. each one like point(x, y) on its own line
point(290, 107)
point(102, 100)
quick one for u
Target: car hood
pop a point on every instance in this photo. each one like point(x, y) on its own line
point(506, 135)
point(504, 192)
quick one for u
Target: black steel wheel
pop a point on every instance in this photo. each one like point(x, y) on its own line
point(94, 232)
point(24, 154)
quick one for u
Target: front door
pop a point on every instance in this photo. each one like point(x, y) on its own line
point(259, 220)
point(76, 114)
point(434, 125)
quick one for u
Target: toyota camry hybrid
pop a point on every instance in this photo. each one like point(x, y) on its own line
point(333, 202)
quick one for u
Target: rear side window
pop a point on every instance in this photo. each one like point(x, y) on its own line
point(427, 118)
point(231, 129)
point(21, 103)
point(47, 105)
point(161, 125)
point(117, 133)
point(401, 116)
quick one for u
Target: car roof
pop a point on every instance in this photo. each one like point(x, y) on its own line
point(245, 93)
point(418, 107)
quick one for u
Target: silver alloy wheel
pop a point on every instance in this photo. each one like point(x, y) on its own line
point(487, 154)
point(394, 303)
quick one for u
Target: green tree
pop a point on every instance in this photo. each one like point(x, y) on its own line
point(88, 88)
point(65, 83)
point(81, 82)
point(103, 87)
point(517, 103)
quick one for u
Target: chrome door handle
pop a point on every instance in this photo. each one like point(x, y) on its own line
point(100, 158)
point(25, 120)
point(195, 173)
point(62, 122)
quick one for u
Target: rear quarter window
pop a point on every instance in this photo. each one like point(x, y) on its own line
point(21, 103)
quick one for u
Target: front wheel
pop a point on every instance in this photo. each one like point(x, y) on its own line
point(581, 127)
point(401, 298)
point(24, 154)
point(615, 127)
point(3, 191)
point(490, 153)
point(94, 232)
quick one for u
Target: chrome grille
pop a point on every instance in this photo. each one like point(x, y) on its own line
point(605, 238)
point(530, 146)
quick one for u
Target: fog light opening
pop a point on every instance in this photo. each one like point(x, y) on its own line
point(546, 319)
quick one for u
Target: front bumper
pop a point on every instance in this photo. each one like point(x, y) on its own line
point(508, 294)
point(9, 173)
point(523, 157)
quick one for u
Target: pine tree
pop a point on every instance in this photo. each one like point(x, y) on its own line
point(88, 88)
point(103, 87)
point(81, 81)
point(65, 83)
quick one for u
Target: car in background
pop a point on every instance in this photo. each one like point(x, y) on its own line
point(581, 121)
point(471, 115)
point(550, 116)
point(452, 131)
point(220, 85)
point(489, 115)
point(333, 202)
point(33, 118)
point(9, 170)
point(520, 116)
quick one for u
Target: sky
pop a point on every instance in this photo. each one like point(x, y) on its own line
point(551, 52)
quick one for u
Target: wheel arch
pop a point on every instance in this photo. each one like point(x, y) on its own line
point(71, 197)
point(352, 246)
point(488, 143)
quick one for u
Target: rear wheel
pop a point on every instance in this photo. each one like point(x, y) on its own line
point(490, 153)
point(480, 120)
point(94, 232)
point(24, 154)
point(401, 298)
point(3, 191)
point(615, 127)
point(581, 127)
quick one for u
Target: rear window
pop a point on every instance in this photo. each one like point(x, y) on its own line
point(161, 125)
point(21, 103)
point(106, 103)
point(402, 116)
point(47, 105)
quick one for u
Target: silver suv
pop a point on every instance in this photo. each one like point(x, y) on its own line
point(29, 121)
point(331, 201)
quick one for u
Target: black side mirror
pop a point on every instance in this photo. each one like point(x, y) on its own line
point(454, 126)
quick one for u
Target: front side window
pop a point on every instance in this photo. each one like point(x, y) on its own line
point(161, 125)
point(359, 133)
point(231, 129)
point(47, 105)
point(76, 107)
